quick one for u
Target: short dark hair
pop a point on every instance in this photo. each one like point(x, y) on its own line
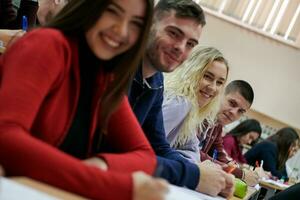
point(243, 87)
point(245, 127)
point(183, 9)
point(284, 139)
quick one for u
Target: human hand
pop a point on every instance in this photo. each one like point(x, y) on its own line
point(8, 37)
point(250, 177)
point(228, 191)
point(212, 179)
point(261, 173)
point(146, 187)
point(97, 162)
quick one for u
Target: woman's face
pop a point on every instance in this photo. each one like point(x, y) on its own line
point(212, 82)
point(248, 138)
point(293, 148)
point(117, 29)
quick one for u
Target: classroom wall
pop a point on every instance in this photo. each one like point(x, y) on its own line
point(271, 67)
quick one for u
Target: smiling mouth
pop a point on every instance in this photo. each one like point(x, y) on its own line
point(227, 117)
point(171, 57)
point(206, 95)
point(110, 42)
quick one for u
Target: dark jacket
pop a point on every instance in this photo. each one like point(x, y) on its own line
point(146, 100)
point(268, 152)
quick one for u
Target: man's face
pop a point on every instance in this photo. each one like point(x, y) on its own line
point(233, 106)
point(171, 41)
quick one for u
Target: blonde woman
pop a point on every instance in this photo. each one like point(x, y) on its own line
point(192, 97)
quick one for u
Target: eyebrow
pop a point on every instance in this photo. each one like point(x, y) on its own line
point(182, 33)
point(212, 74)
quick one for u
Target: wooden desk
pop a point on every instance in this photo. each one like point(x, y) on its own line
point(251, 192)
point(50, 190)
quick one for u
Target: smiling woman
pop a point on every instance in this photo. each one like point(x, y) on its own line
point(193, 91)
point(69, 104)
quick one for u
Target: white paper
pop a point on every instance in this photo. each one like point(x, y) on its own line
point(11, 190)
point(179, 193)
point(277, 183)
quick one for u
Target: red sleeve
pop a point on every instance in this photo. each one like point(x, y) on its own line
point(218, 144)
point(229, 144)
point(23, 88)
point(127, 136)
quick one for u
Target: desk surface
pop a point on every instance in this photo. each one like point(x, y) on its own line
point(50, 190)
point(250, 192)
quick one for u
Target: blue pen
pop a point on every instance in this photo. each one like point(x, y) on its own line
point(215, 155)
point(24, 23)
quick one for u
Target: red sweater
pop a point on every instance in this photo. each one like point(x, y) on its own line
point(233, 148)
point(39, 93)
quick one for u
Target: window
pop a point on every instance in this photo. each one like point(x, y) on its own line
point(279, 19)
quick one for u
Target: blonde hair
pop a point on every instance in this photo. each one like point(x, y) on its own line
point(184, 82)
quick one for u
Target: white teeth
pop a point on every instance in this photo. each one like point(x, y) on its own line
point(206, 95)
point(110, 42)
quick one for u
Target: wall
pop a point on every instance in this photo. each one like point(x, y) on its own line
point(271, 67)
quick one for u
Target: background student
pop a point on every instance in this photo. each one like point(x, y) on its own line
point(192, 95)
point(176, 30)
point(246, 132)
point(64, 112)
point(47, 9)
point(11, 19)
point(237, 100)
point(275, 151)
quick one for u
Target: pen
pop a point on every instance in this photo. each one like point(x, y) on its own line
point(24, 23)
point(215, 155)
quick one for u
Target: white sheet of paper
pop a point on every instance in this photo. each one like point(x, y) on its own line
point(11, 190)
point(179, 193)
point(277, 183)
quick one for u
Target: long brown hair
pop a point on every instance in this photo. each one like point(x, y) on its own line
point(284, 139)
point(75, 19)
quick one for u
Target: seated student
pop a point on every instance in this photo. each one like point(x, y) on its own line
point(47, 9)
point(63, 106)
point(192, 95)
point(237, 100)
point(246, 132)
point(275, 151)
point(9, 19)
point(291, 193)
point(176, 30)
